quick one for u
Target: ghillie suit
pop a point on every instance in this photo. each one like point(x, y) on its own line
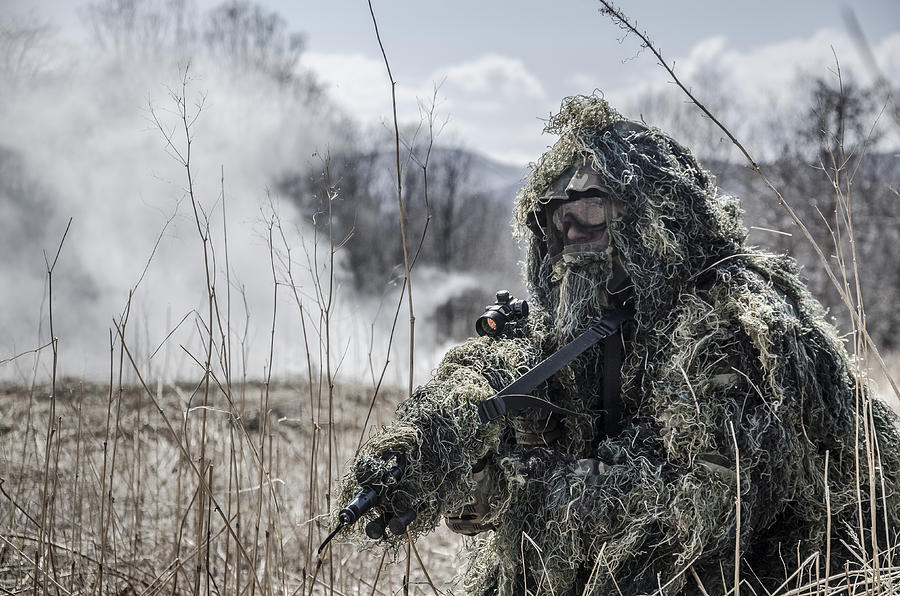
point(731, 377)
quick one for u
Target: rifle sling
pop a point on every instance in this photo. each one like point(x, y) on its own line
point(613, 354)
point(514, 397)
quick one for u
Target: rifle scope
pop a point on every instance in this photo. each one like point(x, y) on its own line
point(506, 311)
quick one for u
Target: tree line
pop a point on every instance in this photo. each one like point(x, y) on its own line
point(828, 161)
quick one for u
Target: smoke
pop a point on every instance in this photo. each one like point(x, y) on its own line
point(98, 139)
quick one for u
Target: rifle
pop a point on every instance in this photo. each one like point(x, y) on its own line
point(367, 498)
point(512, 398)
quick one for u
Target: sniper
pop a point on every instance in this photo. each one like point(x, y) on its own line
point(696, 402)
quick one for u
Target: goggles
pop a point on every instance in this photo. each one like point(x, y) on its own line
point(582, 221)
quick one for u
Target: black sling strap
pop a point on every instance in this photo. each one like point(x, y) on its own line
point(613, 354)
point(515, 396)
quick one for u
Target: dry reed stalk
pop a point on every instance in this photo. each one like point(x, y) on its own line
point(406, 259)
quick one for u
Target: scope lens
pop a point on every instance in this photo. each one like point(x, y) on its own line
point(490, 323)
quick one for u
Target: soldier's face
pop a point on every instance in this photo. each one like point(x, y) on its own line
point(585, 220)
point(586, 270)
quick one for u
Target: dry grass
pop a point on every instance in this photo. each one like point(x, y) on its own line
point(139, 527)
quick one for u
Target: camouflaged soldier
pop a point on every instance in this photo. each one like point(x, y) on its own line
point(704, 426)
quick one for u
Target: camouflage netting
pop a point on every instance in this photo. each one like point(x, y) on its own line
point(727, 349)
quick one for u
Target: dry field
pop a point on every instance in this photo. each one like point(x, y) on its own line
point(139, 490)
point(153, 491)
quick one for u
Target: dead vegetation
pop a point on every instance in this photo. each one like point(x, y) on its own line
point(126, 511)
point(223, 486)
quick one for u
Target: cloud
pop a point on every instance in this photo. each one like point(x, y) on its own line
point(356, 82)
point(485, 98)
point(759, 73)
point(581, 81)
point(495, 101)
point(496, 75)
point(764, 72)
point(360, 82)
point(758, 92)
point(887, 55)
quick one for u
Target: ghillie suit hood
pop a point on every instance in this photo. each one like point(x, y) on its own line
point(675, 227)
point(734, 389)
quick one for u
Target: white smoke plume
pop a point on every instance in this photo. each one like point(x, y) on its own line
point(81, 140)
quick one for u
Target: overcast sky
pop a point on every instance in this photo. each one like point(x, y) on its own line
point(503, 65)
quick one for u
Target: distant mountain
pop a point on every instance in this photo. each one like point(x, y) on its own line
point(503, 180)
point(498, 181)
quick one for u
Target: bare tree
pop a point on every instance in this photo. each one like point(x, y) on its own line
point(242, 34)
point(22, 53)
point(146, 27)
point(467, 227)
point(251, 36)
point(830, 164)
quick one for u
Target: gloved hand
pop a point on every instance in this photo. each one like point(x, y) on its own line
point(378, 478)
point(473, 518)
point(497, 483)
